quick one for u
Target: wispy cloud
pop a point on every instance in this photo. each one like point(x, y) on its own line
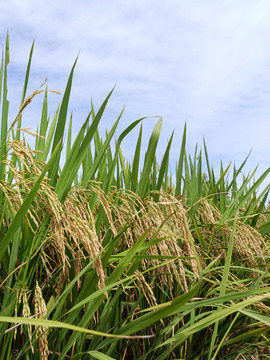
point(205, 63)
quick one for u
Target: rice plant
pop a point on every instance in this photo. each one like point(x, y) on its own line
point(105, 257)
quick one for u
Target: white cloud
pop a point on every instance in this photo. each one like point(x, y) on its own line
point(202, 62)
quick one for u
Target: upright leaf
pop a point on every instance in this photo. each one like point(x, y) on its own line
point(149, 158)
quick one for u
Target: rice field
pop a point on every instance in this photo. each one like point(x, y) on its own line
point(106, 258)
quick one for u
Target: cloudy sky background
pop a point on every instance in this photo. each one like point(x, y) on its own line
point(203, 62)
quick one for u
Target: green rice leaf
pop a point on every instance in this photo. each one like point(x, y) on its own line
point(60, 126)
point(49, 137)
point(58, 324)
point(179, 171)
point(164, 165)
point(136, 162)
point(4, 120)
point(149, 158)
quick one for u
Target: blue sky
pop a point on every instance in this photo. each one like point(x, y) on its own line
point(203, 62)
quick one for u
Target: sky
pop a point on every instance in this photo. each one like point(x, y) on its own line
point(206, 63)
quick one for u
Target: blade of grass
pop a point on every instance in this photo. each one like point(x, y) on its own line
point(4, 120)
point(40, 146)
point(26, 79)
point(179, 172)
point(164, 165)
point(58, 324)
point(96, 354)
point(136, 161)
point(60, 126)
point(108, 181)
point(49, 137)
point(1, 75)
point(149, 158)
point(69, 137)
